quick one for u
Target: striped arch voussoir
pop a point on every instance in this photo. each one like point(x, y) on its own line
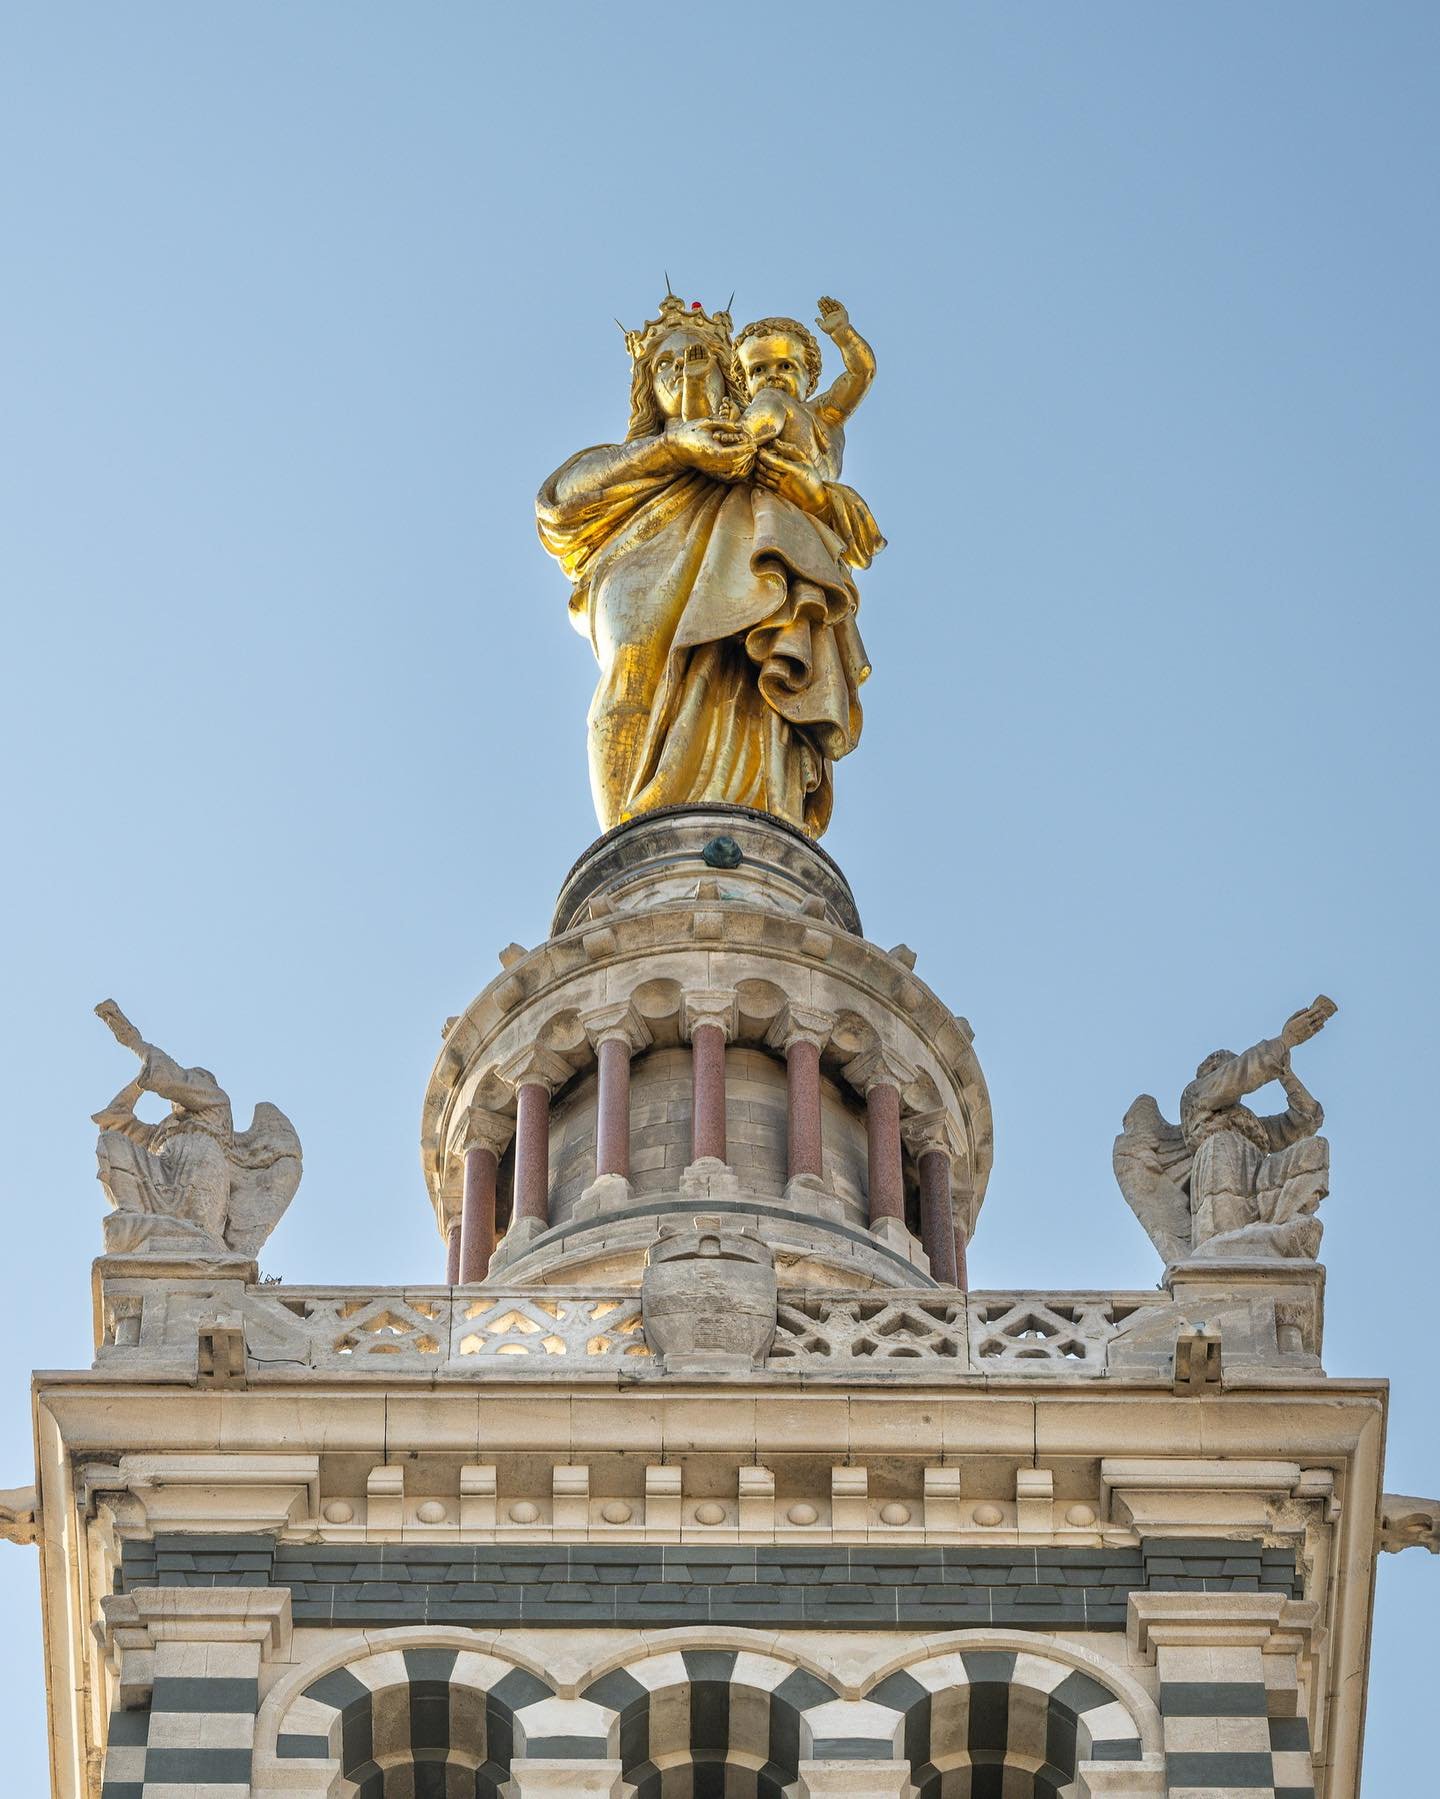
point(755, 1714)
point(413, 1706)
point(1003, 1708)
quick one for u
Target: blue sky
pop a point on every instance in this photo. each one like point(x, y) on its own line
point(303, 301)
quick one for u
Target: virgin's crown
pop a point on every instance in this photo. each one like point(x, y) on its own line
point(674, 311)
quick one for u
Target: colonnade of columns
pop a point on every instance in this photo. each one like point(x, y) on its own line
point(709, 1021)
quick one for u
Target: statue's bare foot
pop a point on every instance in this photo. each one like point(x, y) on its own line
point(696, 356)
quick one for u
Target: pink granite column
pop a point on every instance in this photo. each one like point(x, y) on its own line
point(477, 1213)
point(802, 1032)
point(532, 1076)
point(612, 1125)
point(962, 1272)
point(617, 1032)
point(882, 1134)
point(710, 1021)
point(937, 1227)
point(532, 1152)
point(962, 1208)
point(452, 1255)
point(707, 1044)
point(804, 1150)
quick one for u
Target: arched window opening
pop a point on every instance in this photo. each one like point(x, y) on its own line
point(1001, 1724)
point(711, 1724)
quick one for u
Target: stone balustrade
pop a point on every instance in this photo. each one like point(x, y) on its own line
point(249, 1333)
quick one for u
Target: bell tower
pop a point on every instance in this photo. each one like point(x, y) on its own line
point(700, 1471)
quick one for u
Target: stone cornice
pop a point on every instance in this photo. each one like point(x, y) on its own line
point(1205, 1620)
point(132, 1625)
point(219, 1491)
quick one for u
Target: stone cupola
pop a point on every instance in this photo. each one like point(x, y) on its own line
point(705, 1034)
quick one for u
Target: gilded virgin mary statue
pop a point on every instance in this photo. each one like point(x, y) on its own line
point(712, 558)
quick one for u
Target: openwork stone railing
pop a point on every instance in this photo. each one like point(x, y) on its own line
point(393, 1331)
point(820, 1327)
point(555, 1331)
point(1022, 1333)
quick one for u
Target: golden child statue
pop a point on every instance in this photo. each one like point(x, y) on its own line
point(780, 363)
point(712, 557)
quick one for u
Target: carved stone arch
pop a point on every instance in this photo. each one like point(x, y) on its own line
point(742, 1639)
point(1007, 1711)
point(412, 1699)
point(741, 1720)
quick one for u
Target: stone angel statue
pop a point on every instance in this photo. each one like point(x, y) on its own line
point(1226, 1182)
point(191, 1185)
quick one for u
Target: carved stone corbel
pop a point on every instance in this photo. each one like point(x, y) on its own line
point(1407, 1523)
point(19, 1515)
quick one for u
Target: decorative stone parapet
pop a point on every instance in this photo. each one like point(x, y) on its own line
point(120, 1286)
point(1264, 1313)
point(508, 1331)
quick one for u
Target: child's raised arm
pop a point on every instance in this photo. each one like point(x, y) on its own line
point(843, 395)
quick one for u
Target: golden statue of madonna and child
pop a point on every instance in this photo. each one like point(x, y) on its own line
point(712, 557)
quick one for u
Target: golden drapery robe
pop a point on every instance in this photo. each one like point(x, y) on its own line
point(723, 620)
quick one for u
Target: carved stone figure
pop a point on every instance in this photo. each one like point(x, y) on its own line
point(1407, 1523)
point(709, 1296)
point(19, 1515)
point(1228, 1182)
point(191, 1185)
point(712, 557)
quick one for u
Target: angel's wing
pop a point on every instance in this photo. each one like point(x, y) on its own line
point(265, 1171)
point(1152, 1164)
